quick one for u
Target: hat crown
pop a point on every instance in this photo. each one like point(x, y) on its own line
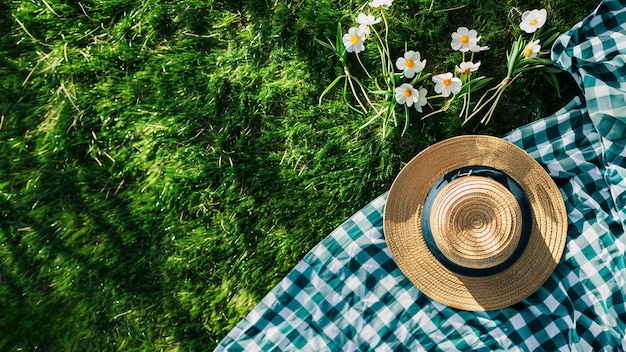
point(476, 222)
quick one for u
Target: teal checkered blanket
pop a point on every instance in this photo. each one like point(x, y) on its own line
point(348, 294)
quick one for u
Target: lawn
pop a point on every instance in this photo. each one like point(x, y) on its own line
point(163, 164)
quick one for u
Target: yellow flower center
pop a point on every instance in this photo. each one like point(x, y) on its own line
point(355, 39)
point(528, 52)
point(467, 71)
point(464, 39)
point(407, 93)
point(533, 22)
point(410, 63)
point(447, 82)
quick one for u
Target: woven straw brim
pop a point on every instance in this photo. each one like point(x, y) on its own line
point(403, 230)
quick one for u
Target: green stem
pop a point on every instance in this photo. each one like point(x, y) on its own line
point(358, 58)
point(349, 79)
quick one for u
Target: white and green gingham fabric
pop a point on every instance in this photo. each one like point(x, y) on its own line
point(348, 294)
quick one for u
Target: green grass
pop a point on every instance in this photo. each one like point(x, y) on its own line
point(163, 164)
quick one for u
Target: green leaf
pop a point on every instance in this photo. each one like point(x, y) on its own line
point(548, 36)
point(330, 86)
point(538, 61)
point(528, 68)
point(421, 77)
point(406, 119)
point(340, 49)
point(328, 46)
point(552, 79)
point(479, 82)
point(532, 64)
point(552, 69)
point(513, 57)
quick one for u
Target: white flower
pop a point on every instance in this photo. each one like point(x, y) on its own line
point(380, 3)
point(532, 49)
point(421, 100)
point(477, 48)
point(410, 64)
point(367, 19)
point(533, 20)
point(365, 29)
point(353, 40)
point(447, 84)
point(468, 66)
point(464, 39)
point(406, 94)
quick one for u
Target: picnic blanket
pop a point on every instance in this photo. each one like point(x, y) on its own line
point(348, 294)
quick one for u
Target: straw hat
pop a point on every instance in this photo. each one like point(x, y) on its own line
point(475, 223)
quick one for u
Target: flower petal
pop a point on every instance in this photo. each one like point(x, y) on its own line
point(401, 63)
